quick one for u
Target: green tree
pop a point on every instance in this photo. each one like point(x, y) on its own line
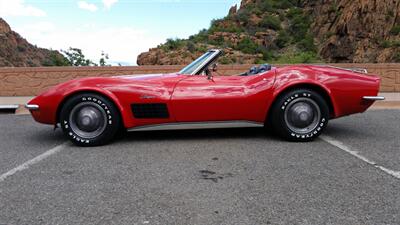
point(104, 57)
point(173, 44)
point(56, 59)
point(75, 57)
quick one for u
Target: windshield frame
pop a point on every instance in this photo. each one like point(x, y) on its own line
point(209, 59)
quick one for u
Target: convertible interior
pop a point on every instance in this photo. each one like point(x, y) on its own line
point(207, 65)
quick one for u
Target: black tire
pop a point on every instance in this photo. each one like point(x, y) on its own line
point(89, 119)
point(299, 115)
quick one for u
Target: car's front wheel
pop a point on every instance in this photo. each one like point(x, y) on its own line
point(89, 119)
point(300, 115)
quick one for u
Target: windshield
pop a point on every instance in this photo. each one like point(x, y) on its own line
point(191, 68)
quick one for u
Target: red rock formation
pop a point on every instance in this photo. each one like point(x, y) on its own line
point(356, 31)
point(15, 51)
point(343, 31)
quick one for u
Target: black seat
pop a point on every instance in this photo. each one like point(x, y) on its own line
point(256, 70)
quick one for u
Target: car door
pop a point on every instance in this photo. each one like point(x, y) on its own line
point(222, 98)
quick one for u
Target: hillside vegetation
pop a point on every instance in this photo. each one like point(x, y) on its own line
point(15, 51)
point(293, 31)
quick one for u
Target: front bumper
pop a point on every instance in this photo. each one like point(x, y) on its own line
point(373, 98)
point(32, 107)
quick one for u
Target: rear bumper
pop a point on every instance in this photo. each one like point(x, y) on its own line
point(373, 98)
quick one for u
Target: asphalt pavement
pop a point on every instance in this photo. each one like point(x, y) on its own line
point(227, 176)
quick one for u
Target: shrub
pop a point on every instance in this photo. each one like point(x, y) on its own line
point(299, 26)
point(267, 53)
point(202, 36)
point(56, 60)
point(271, 22)
point(225, 60)
point(191, 46)
point(201, 48)
point(294, 12)
point(173, 44)
point(385, 44)
point(396, 43)
point(214, 26)
point(247, 46)
point(243, 15)
point(260, 61)
point(283, 4)
point(395, 30)
point(307, 44)
point(283, 39)
point(389, 44)
point(21, 48)
point(266, 6)
point(218, 41)
point(297, 57)
point(230, 27)
point(396, 57)
point(257, 11)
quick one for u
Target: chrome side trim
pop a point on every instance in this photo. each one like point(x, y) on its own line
point(356, 70)
point(197, 125)
point(9, 106)
point(359, 70)
point(373, 98)
point(31, 107)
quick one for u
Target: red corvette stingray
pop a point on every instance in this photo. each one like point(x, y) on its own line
point(297, 101)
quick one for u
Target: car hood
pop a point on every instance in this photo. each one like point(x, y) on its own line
point(143, 79)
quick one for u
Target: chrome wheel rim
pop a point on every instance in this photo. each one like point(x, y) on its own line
point(302, 115)
point(88, 120)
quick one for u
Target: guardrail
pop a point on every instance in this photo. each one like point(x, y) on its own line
point(33, 80)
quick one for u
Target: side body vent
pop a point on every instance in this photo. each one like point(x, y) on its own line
point(150, 111)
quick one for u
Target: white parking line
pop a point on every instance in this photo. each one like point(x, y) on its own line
point(33, 161)
point(347, 149)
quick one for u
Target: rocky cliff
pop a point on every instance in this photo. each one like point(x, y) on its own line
point(15, 51)
point(294, 31)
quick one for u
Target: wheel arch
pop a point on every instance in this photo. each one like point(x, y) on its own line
point(102, 93)
point(311, 86)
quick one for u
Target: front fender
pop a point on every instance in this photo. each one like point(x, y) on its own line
point(51, 101)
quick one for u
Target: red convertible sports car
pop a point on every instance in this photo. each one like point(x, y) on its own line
point(296, 101)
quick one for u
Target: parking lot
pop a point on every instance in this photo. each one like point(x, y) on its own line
point(229, 176)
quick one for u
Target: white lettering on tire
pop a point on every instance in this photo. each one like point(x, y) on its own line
point(311, 133)
point(96, 101)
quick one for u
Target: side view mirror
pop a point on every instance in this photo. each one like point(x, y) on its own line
point(209, 74)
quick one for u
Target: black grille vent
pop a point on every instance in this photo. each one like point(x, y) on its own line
point(147, 111)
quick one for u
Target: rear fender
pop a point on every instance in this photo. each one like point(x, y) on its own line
point(281, 87)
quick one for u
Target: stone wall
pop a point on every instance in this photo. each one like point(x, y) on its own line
point(31, 81)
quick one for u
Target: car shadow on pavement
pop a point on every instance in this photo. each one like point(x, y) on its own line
point(340, 130)
point(174, 135)
point(46, 135)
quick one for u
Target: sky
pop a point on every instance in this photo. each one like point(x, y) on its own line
point(121, 28)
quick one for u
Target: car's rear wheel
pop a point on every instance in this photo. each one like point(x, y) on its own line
point(299, 115)
point(89, 119)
